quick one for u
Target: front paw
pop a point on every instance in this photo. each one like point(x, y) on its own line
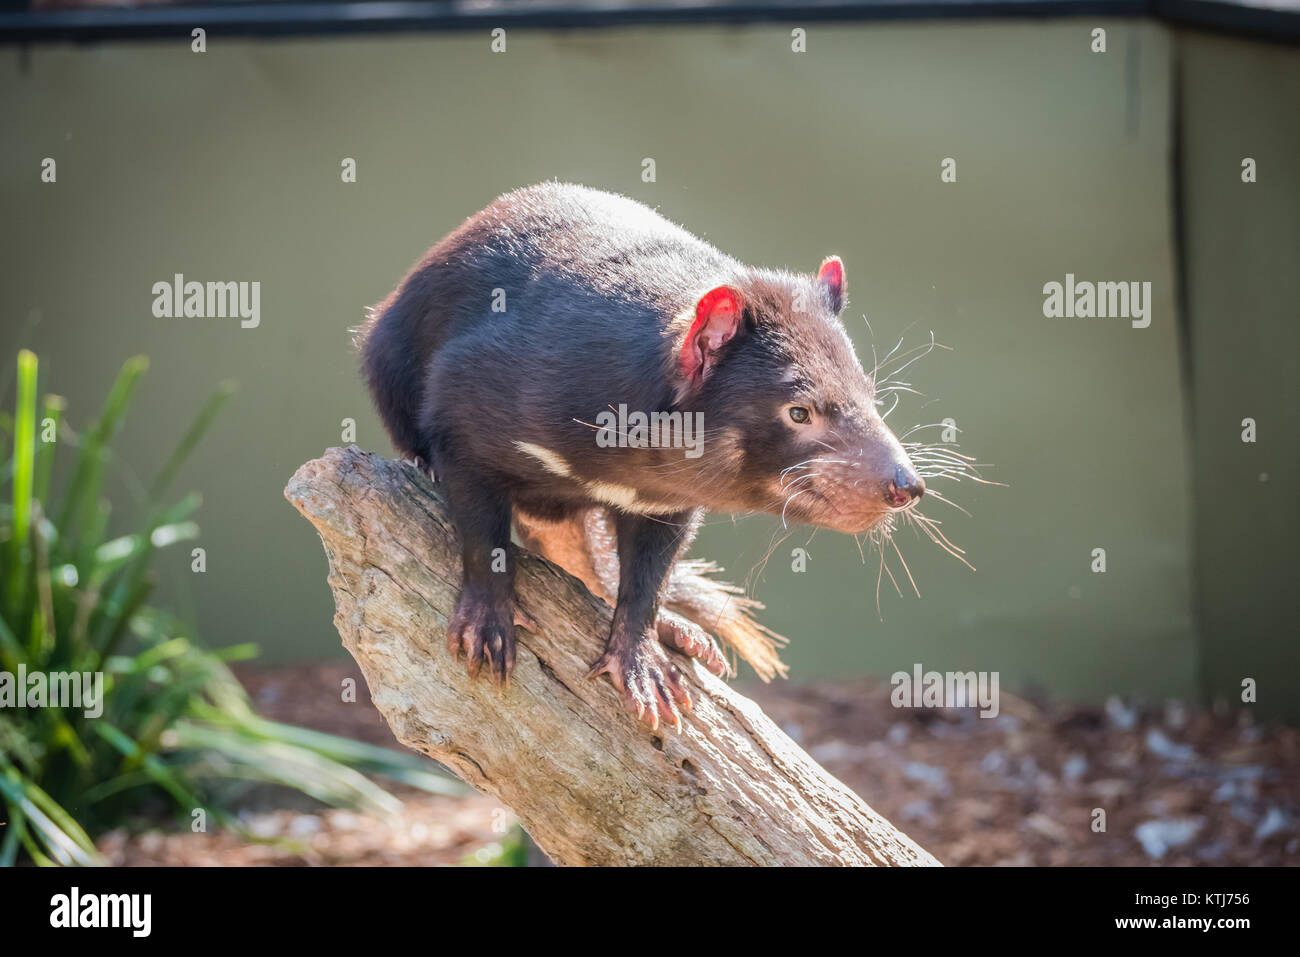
point(651, 685)
point(483, 627)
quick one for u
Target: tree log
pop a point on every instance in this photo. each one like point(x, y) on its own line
point(589, 783)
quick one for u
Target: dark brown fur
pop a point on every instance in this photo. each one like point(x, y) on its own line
point(601, 298)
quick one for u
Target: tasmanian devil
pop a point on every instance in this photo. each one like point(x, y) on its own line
point(498, 357)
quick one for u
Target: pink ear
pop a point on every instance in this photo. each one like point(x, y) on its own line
point(831, 275)
point(717, 319)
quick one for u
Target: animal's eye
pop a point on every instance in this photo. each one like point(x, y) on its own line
point(799, 414)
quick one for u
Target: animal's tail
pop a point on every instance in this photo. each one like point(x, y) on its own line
point(723, 609)
point(585, 547)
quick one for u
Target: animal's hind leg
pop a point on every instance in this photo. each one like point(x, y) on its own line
point(585, 545)
point(683, 635)
point(581, 542)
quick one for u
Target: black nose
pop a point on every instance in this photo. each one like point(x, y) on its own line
point(906, 487)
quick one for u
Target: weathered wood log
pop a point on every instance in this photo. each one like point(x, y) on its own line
point(589, 784)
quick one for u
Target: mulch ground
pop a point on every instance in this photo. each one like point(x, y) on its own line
point(1178, 786)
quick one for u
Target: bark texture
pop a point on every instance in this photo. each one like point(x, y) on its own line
point(590, 785)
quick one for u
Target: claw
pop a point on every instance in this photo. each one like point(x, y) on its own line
point(525, 620)
point(650, 684)
point(604, 665)
point(690, 639)
point(482, 626)
point(664, 706)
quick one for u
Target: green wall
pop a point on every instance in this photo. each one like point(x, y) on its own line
point(225, 166)
point(1243, 290)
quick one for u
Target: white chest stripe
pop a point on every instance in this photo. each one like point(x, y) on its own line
point(620, 496)
point(610, 493)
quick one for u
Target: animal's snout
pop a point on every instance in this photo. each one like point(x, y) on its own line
point(905, 488)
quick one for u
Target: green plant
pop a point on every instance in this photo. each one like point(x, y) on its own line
point(510, 851)
point(175, 723)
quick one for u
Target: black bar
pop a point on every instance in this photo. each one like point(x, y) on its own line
point(922, 910)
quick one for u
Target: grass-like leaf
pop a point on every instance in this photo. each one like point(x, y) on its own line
point(172, 722)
